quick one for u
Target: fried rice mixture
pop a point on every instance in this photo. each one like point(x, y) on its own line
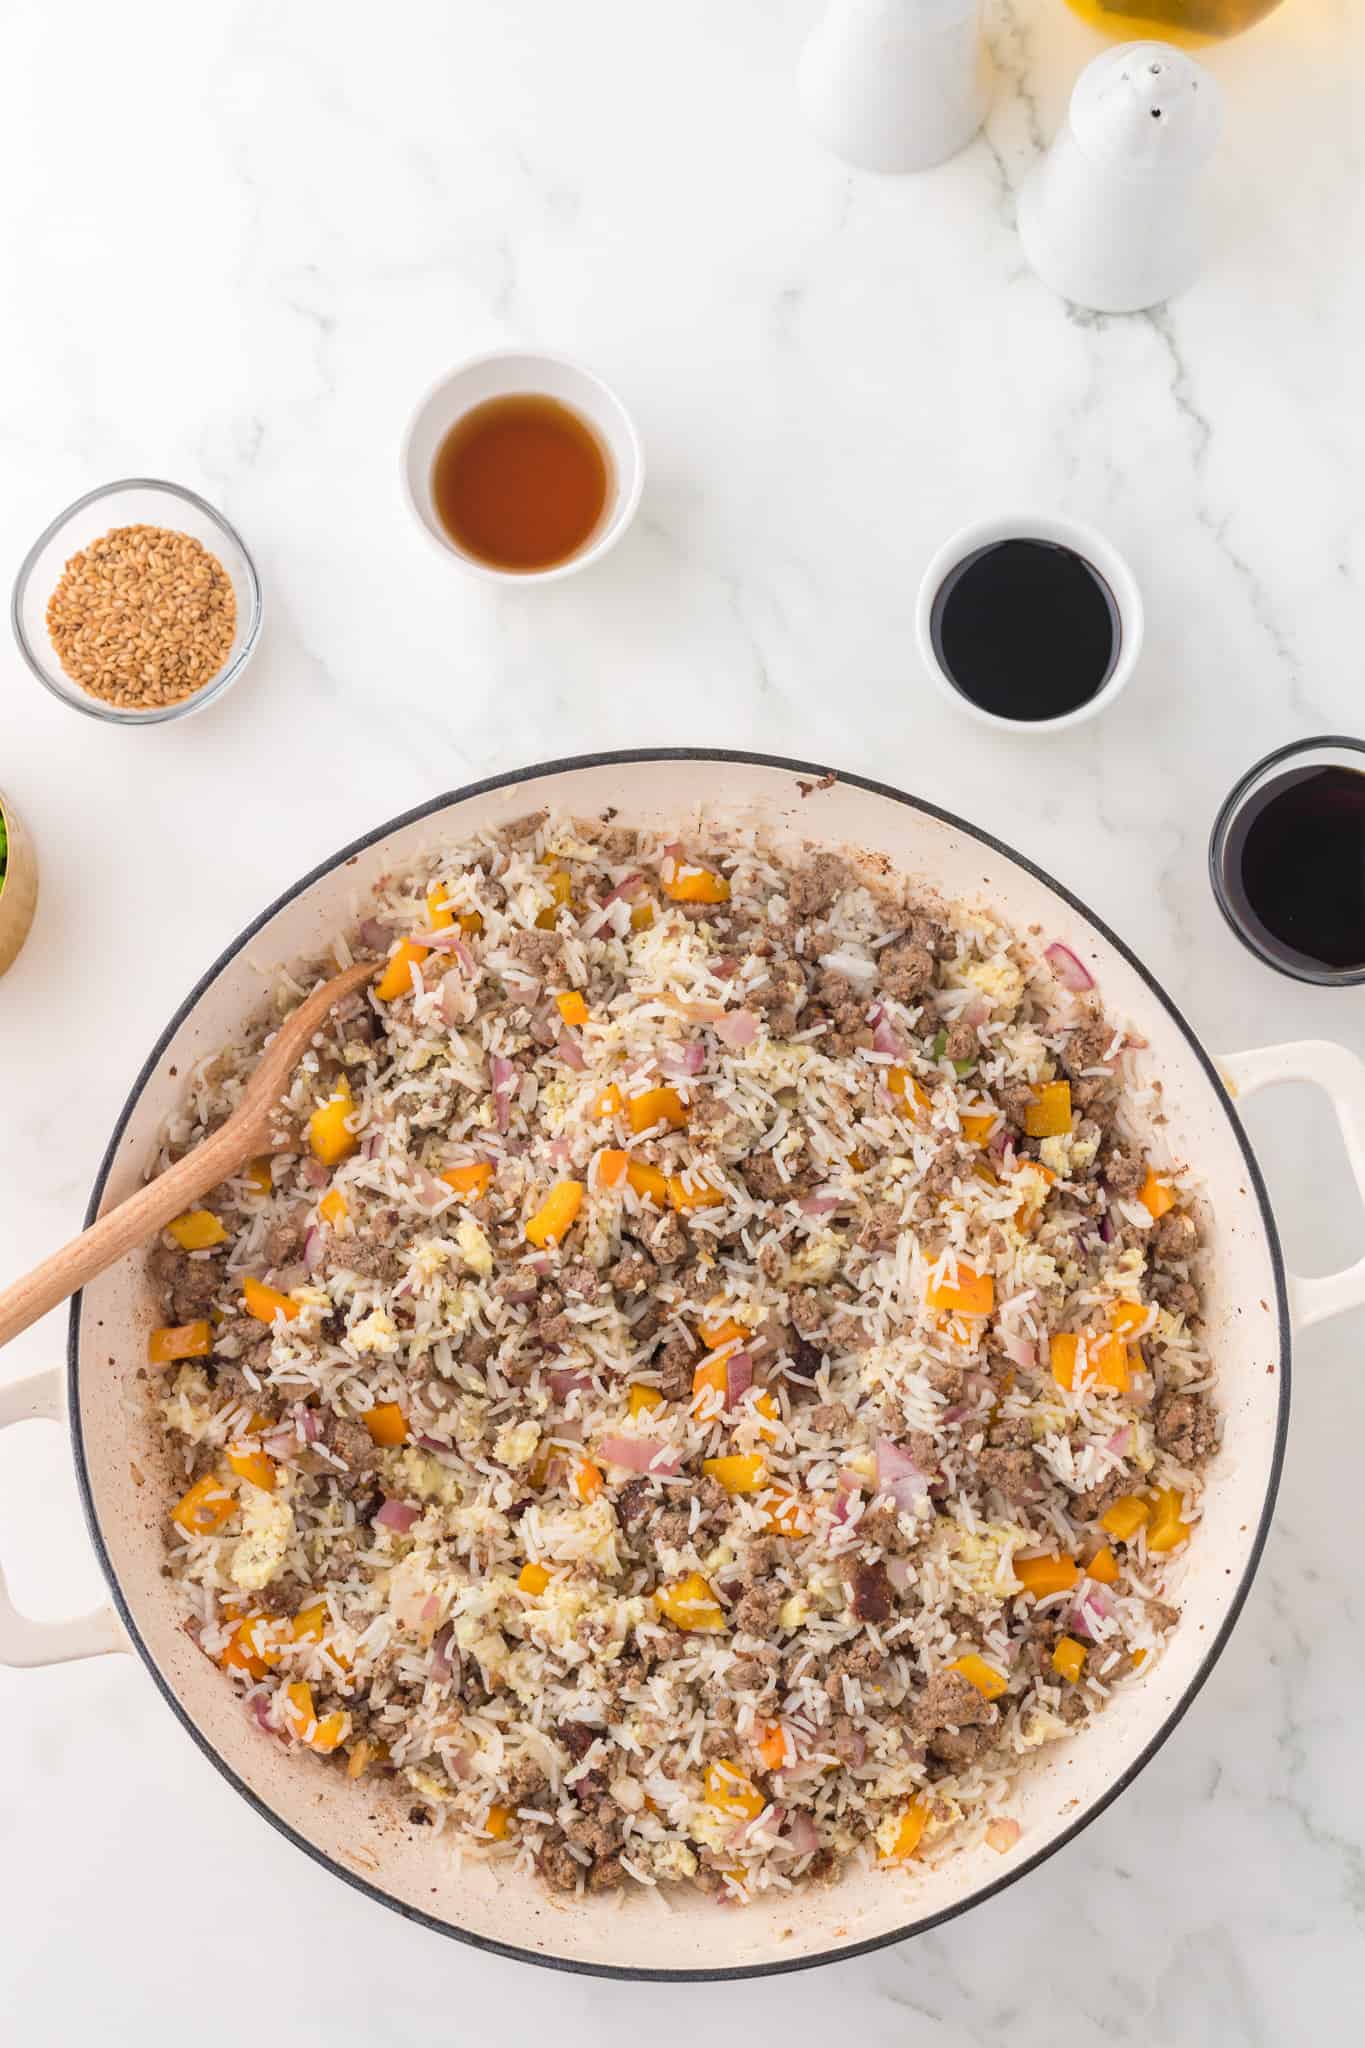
point(710, 1381)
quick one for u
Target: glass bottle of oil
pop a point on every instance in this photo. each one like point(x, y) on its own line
point(1191, 23)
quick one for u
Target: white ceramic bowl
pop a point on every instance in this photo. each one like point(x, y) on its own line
point(504, 374)
point(1067, 533)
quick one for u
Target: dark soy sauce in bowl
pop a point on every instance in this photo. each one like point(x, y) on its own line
point(1026, 629)
point(1292, 870)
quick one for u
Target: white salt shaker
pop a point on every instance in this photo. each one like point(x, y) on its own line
point(1112, 218)
point(896, 85)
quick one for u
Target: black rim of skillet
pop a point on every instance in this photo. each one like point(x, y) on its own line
point(778, 1965)
point(1328, 977)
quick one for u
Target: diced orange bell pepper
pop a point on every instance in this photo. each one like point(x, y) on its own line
point(1040, 1576)
point(197, 1230)
point(329, 1137)
point(179, 1340)
point(556, 1213)
point(587, 1479)
point(572, 1007)
point(785, 1514)
point(692, 1191)
point(310, 1623)
point(989, 1682)
point(334, 1208)
point(690, 1604)
point(720, 1330)
point(387, 1424)
point(560, 884)
point(610, 1102)
point(1125, 1517)
point(643, 1400)
point(1103, 1567)
point(364, 1754)
point(253, 1647)
point(655, 1106)
point(1167, 1529)
point(647, 1181)
point(1049, 1113)
point(265, 1303)
point(971, 1294)
point(532, 1579)
point(642, 915)
point(206, 1506)
point(249, 1462)
point(260, 1176)
point(301, 1718)
point(472, 1179)
point(711, 1378)
point(1068, 1658)
point(1106, 1361)
point(770, 1740)
point(906, 1090)
point(396, 980)
point(1126, 1317)
point(977, 1129)
point(1156, 1196)
point(909, 1830)
point(741, 1473)
point(695, 885)
point(440, 916)
point(770, 1428)
point(609, 1168)
point(729, 1788)
point(497, 1821)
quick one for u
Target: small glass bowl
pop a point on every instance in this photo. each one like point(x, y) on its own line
point(1327, 750)
point(134, 501)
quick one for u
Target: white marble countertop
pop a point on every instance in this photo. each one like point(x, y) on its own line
point(238, 242)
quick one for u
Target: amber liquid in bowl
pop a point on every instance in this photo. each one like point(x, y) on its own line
point(521, 483)
point(1191, 23)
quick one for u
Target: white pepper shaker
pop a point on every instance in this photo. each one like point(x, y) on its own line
point(896, 85)
point(1112, 218)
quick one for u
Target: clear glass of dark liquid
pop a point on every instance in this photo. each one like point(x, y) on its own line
point(1287, 860)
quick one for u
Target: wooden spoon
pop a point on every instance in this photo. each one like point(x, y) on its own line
point(245, 1135)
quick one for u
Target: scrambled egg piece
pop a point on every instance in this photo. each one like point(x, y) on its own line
point(267, 1529)
point(428, 1259)
point(474, 1247)
point(516, 1445)
point(377, 1335)
point(795, 1611)
point(189, 1405)
point(1041, 1726)
point(710, 1825)
point(415, 1475)
point(672, 1862)
point(975, 1559)
point(817, 1261)
point(570, 1535)
point(999, 981)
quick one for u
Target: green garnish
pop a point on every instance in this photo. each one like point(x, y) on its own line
point(960, 1067)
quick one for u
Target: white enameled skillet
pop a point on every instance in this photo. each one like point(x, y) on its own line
point(369, 1843)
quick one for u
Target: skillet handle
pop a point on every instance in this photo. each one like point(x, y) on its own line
point(26, 1643)
point(1341, 1075)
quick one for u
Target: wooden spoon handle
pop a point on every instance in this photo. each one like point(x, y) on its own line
point(132, 1223)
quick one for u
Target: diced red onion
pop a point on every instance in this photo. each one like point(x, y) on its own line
point(640, 1454)
point(396, 1514)
point(1120, 1440)
point(440, 1652)
point(560, 1149)
point(1067, 968)
point(370, 1147)
point(886, 1038)
point(724, 967)
point(673, 850)
point(428, 1189)
point(1002, 1835)
point(955, 1413)
point(459, 1763)
point(431, 1607)
point(1019, 1349)
point(258, 1706)
point(312, 1249)
point(898, 1474)
point(898, 1571)
point(738, 1028)
point(976, 1012)
point(843, 1507)
point(627, 886)
point(818, 1205)
point(567, 1048)
point(565, 1381)
point(375, 934)
point(800, 1834)
point(521, 1295)
point(452, 995)
point(503, 1076)
point(436, 1443)
point(315, 1173)
point(450, 942)
point(688, 1060)
point(306, 1422)
point(1093, 1605)
point(739, 1377)
point(281, 1444)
